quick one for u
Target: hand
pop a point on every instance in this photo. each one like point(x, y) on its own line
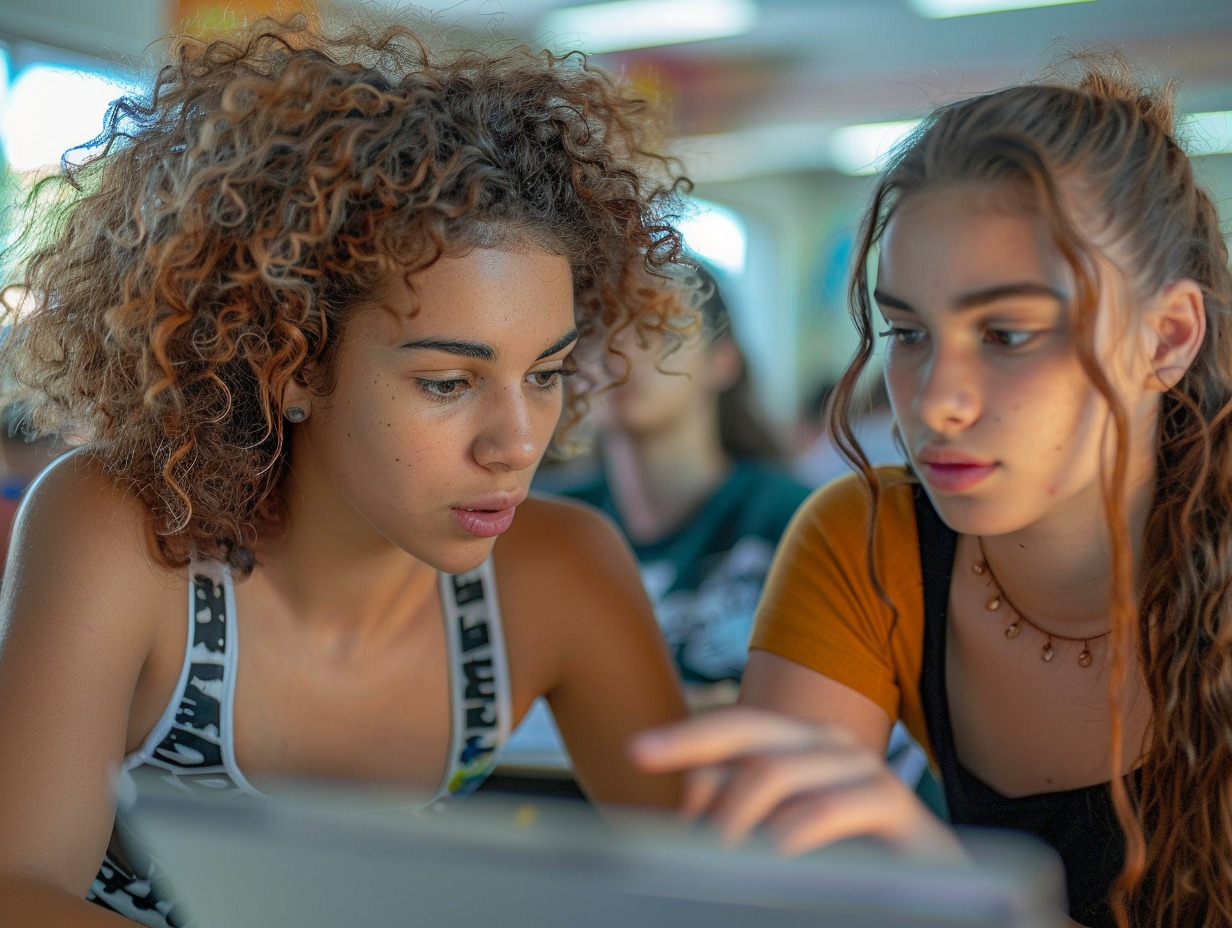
point(806, 784)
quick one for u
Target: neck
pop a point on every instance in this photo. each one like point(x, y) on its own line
point(1059, 572)
point(337, 573)
point(659, 480)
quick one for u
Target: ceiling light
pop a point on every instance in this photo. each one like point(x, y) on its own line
point(606, 27)
point(1208, 133)
point(717, 234)
point(943, 9)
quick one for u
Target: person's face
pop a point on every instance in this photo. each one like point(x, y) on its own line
point(1003, 426)
point(664, 392)
point(444, 403)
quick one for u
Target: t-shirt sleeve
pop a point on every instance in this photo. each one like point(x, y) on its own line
point(820, 607)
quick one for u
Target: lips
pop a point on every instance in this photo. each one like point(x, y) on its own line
point(953, 471)
point(489, 516)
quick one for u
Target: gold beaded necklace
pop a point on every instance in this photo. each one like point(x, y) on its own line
point(981, 567)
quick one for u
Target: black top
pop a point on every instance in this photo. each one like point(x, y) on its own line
point(1081, 824)
point(705, 576)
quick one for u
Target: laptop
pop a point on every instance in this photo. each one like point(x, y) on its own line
point(328, 857)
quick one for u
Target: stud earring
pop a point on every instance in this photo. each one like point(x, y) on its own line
point(296, 414)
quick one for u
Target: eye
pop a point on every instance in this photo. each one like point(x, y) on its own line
point(903, 335)
point(442, 389)
point(549, 379)
point(1008, 338)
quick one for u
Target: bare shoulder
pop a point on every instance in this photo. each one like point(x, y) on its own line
point(78, 528)
point(83, 608)
point(541, 510)
point(567, 579)
point(569, 544)
point(570, 586)
point(582, 633)
point(78, 480)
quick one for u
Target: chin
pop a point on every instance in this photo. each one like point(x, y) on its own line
point(969, 516)
point(459, 559)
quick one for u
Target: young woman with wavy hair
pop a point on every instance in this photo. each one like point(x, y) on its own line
point(313, 307)
point(1043, 595)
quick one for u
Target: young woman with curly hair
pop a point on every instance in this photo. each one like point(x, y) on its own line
point(313, 305)
point(1043, 597)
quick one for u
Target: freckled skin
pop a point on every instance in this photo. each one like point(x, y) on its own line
point(386, 458)
point(954, 384)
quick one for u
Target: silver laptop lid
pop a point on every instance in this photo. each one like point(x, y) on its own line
point(325, 858)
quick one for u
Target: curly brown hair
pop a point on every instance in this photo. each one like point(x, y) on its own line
point(1108, 143)
point(268, 183)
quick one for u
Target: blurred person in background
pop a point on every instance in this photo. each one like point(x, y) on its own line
point(690, 470)
point(817, 460)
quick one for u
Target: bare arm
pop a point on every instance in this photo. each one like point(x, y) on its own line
point(610, 675)
point(776, 683)
point(75, 638)
point(801, 756)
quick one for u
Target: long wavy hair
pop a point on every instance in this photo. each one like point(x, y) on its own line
point(270, 181)
point(1099, 159)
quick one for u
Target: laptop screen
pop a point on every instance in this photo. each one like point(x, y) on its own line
point(325, 858)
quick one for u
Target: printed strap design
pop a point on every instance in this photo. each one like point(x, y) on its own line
point(192, 752)
point(191, 755)
point(478, 676)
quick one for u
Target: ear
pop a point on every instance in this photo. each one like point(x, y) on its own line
point(296, 395)
point(724, 364)
point(1176, 327)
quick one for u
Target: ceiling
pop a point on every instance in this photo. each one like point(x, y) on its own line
point(756, 109)
point(768, 101)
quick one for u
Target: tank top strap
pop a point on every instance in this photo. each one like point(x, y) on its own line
point(479, 677)
point(938, 544)
point(193, 740)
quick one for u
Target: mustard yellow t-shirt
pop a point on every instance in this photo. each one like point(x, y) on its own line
point(820, 607)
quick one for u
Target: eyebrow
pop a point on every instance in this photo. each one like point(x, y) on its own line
point(977, 298)
point(481, 351)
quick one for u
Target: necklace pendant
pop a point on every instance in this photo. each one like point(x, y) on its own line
point(993, 604)
point(1046, 651)
point(979, 567)
point(1012, 631)
point(1085, 658)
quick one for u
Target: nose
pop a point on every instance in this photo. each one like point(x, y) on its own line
point(507, 437)
point(948, 398)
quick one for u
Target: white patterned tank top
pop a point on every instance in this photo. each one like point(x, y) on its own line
point(192, 746)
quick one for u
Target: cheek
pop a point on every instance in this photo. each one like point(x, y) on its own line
point(1068, 430)
point(902, 388)
point(384, 425)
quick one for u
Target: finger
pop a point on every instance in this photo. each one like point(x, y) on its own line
point(724, 735)
point(761, 785)
point(701, 785)
point(823, 817)
point(878, 806)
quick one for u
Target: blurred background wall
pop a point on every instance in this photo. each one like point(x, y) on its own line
point(780, 110)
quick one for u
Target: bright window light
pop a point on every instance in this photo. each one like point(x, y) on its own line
point(606, 27)
point(717, 235)
point(1208, 133)
point(943, 9)
point(50, 109)
point(862, 149)
point(5, 74)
